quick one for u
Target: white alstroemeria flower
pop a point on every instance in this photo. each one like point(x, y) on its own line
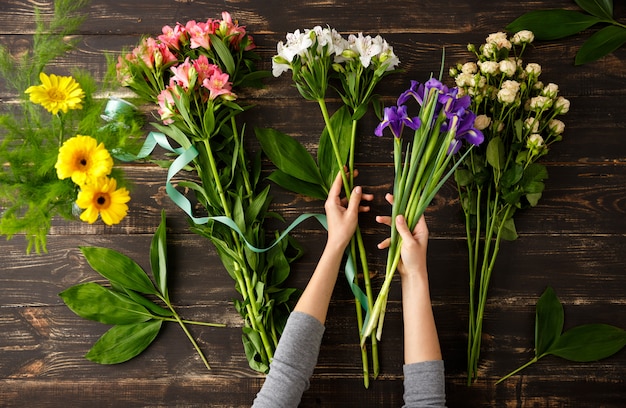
point(556, 126)
point(366, 48)
point(523, 37)
point(508, 67)
point(297, 44)
point(561, 105)
point(388, 57)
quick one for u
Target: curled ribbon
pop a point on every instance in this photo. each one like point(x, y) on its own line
point(185, 156)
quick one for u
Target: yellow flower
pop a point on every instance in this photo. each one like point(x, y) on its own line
point(103, 198)
point(83, 159)
point(57, 93)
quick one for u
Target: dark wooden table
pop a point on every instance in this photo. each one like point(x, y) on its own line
point(574, 240)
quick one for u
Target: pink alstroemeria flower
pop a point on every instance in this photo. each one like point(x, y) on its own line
point(167, 106)
point(185, 74)
point(218, 85)
point(171, 36)
point(204, 68)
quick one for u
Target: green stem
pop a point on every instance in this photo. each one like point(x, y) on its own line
point(189, 336)
point(534, 360)
point(194, 322)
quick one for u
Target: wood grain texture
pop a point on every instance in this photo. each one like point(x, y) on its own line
point(574, 240)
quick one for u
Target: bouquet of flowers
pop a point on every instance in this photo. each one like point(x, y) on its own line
point(320, 58)
point(56, 134)
point(191, 72)
point(443, 122)
point(517, 113)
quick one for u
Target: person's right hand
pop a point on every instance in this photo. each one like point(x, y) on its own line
point(414, 244)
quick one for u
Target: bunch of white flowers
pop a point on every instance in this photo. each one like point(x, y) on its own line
point(516, 113)
point(504, 88)
point(316, 45)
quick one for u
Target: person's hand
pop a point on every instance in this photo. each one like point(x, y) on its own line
point(414, 244)
point(343, 216)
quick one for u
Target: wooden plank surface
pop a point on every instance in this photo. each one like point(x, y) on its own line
point(574, 240)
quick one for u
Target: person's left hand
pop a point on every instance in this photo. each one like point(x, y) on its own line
point(343, 216)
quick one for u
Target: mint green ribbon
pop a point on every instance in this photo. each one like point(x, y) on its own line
point(186, 156)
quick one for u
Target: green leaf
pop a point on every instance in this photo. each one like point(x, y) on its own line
point(158, 256)
point(93, 302)
point(599, 8)
point(119, 268)
point(148, 304)
point(533, 198)
point(253, 347)
point(495, 153)
point(549, 317)
point(512, 175)
point(123, 342)
point(601, 43)
point(341, 123)
point(589, 342)
point(258, 205)
point(553, 24)
point(296, 185)
point(289, 155)
point(463, 177)
point(509, 232)
point(223, 53)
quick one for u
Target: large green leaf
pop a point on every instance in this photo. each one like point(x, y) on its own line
point(158, 256)
point(599, 8)
point(123, 342)
point(341, 123)
point(601, 43)
point(495, 153)
point(296, 185)
point(119, 268)
point(548, 321)
point(553, 24)
point(289, 155)
point(589, 342)
point(93, 302)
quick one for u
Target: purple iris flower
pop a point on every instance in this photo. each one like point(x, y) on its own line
point(466, 131)
point(396, 117)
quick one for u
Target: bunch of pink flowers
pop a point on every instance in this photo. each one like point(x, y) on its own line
point(203, 59)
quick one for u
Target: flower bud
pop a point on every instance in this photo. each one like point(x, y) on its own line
point(523, 37)
point(556, 126)
point(561, 105)
point(482, 122)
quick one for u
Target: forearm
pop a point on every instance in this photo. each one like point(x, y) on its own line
point(421, 342)
point(316, 296)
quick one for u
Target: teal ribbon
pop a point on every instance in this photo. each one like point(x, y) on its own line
point(186, 156)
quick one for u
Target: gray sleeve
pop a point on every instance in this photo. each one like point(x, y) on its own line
point(293, 363)
point(424, 384)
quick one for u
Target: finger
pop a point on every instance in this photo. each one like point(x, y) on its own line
point(384, 243)
point(389, 198)
point(355, 199)
point(403, 229)
point(335, 189)
point(421, 229)
point(384, 219)
point(367, 197)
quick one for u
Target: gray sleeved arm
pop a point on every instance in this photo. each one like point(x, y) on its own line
point(424, 385)
point(293, 364)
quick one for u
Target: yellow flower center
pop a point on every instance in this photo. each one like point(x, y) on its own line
point(56, 95)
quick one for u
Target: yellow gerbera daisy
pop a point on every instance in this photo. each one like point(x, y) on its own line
point(83, 159)
point(103, 198)
point(57, 93)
